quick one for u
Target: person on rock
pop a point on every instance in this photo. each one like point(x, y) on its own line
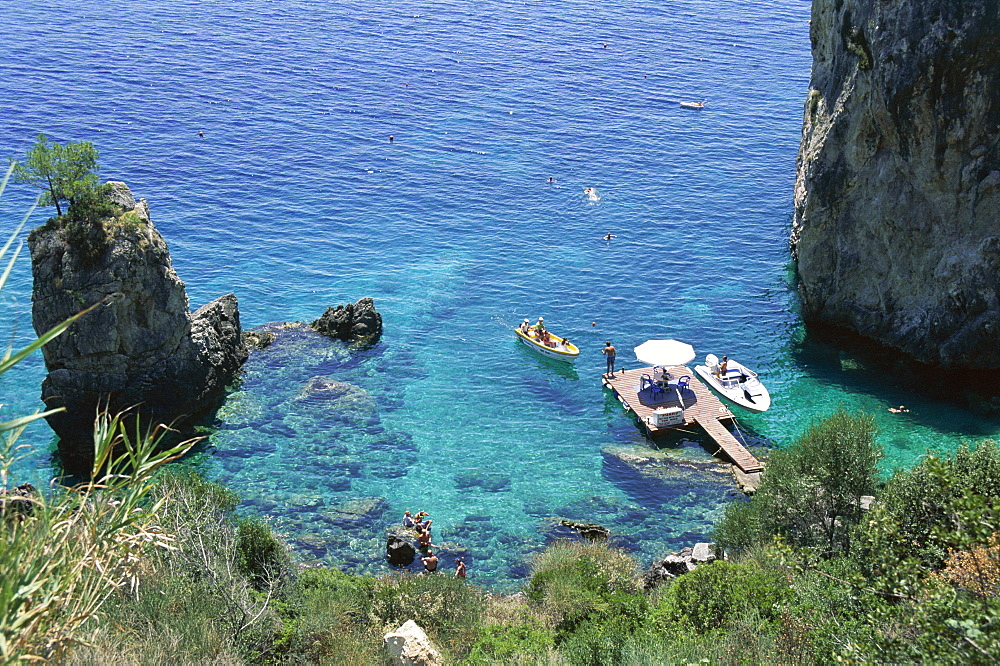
point(460, 568)
point(408, 520)
point(430, 562)
point(424, 539)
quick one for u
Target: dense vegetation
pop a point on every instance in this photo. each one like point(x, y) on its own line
point(913, 578)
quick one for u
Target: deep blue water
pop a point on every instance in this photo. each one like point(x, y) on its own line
point(295, 199)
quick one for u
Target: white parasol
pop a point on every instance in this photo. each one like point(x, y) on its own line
point(664, 352)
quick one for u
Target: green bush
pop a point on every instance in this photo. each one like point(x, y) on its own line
point(448, 609)
point(919, 504)
point(810, 493)
point(327, 616)
point(599, 638)
point(708, 597)
point(520, 642)
point(260, 556)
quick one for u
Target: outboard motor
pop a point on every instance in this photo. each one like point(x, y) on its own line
point(712, 361)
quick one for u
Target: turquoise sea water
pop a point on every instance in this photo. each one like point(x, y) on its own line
point(295, 199)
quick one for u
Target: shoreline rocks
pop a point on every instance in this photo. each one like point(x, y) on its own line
point(678, 564)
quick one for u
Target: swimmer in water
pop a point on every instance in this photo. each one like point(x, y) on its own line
point(609, 236)
point(591, 194)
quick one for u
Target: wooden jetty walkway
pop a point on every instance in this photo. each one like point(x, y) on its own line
point(700, 406)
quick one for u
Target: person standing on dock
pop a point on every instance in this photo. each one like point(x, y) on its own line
point(609, 352)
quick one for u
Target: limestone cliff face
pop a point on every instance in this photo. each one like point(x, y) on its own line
point(897, 196)
point(140, 346)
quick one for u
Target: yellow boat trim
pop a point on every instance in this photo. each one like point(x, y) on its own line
point(571, 350)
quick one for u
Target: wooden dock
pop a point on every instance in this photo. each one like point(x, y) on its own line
point(700, 405)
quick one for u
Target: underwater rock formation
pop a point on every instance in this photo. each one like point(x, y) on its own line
point(354, 322)
point(897, 196)
point(139, 346)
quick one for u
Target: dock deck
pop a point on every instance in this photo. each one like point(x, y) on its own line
point(700, 406)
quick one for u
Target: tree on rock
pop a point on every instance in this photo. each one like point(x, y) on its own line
point(64, 172)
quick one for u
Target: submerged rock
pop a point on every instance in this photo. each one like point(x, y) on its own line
point(354, 322)
point(139, 346)
point(897, 196)
point(364, 512)
point(589, 531)
point(491, 482)
point(343, 401)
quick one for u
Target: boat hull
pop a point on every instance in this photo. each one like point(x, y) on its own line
point(567, 353)
point(749, 394)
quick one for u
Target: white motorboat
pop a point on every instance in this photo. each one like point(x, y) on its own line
point(737, 383)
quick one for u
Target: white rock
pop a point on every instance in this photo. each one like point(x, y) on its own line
point(409, 646)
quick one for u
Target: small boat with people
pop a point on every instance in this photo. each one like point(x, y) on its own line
point(692, 105)
point(538, 338)
point(735, 382)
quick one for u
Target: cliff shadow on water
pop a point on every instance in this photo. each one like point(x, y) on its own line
point(838, 356)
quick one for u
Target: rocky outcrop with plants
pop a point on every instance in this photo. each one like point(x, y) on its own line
point(139, 345)
point(897, 197)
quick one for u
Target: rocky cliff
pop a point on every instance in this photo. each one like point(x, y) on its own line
point(897, 197)
point(140, 346)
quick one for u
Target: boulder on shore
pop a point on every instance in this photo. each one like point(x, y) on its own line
point(678, 564)
point(399, 548)
point(409, 646)
point(140, 346)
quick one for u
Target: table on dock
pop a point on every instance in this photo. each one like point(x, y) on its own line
point(700, 406)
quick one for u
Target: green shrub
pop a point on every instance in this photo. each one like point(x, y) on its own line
point(810, 493)
point(919, 504)
point(190, 486)
point(708, 597)
point(448, 609)
point(328, 616)
point(599, 638)
point(260, 555)
point(520, 642)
